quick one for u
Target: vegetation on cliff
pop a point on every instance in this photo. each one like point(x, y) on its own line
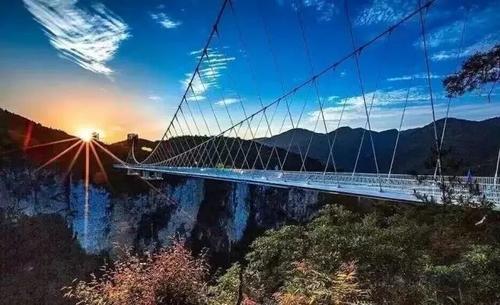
point(415, 255)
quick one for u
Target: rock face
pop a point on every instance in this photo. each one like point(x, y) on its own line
point(208, 214)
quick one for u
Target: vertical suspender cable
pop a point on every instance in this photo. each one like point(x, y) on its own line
point(496, 171)
point(356, 59)
point(445, 124)
point(327, 69)
point(491, 90)
point(207, 44)
point(315, 84)
point(334, 140)
point(372, 101)
point(400, 126)
point(252, 74)
point(429, 82)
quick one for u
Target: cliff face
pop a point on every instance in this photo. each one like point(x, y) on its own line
point(208, 214)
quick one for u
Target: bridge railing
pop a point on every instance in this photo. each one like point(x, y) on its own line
point(400, 186)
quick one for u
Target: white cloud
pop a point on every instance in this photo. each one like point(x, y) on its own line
point(414, 76)
point(155, 98)
point(210, 71)
point(332, 98)
point(388, 105)
point(383, 101)
point(483, 45)
point(227, 102)
point(90, 38)
point(418, 112)
point(446, 35)
point(165, 20)
point(324, 8)
point(385, 11)
point(481, 33)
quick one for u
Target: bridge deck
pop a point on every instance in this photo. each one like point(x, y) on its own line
point(396, 187)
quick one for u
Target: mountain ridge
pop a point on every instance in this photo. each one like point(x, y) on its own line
point(469, 143)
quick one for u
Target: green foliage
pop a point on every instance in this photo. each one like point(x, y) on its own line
point(225, 291)
point(479, 69)
point(474, 279)
point(425, 255)
point(271, 256)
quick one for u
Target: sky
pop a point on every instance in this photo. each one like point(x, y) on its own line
point(121, 66)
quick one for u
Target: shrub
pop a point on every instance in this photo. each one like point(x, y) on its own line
point(420, 255)
point(170, 277)
point(312, 287)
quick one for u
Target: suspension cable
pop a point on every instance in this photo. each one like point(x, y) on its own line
point(362, 138)
point(223, 101)
point(250, 68)
point(213, 112)
point(496, 171)
point(459, 52)
point(190, 83)
point(429, 82)
point(280, 80)
point(400, 126)
point(356, 59)
point(315, 84)
point(335, 64)
point(335, 138)
point(197, 102)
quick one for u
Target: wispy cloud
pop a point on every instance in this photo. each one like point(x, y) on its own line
point(332, 98)
point(155, 98)
point(325, 9)
point(483, 45)
point(383, 100)
point(387, 110)
point(165, 20)
point(445, 35)
point(90, 38)
point(481, 33)
point(384, 12)
point(414, 76)
point(209, 73)
point(227, 102)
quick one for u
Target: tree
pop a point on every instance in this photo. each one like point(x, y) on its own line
point(406, 256)
point(478, 70)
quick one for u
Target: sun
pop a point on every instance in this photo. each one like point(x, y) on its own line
point(87, 134)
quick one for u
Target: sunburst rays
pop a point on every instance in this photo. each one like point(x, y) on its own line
point(88, 148)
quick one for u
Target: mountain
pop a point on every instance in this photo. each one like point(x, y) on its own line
point(18, 135)
point(467, 145)
point(470, 145)
point(16, 130)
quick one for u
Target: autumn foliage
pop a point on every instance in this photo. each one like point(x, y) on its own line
point(171, 276)
point(310, 286)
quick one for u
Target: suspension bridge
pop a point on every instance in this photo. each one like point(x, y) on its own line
point(204, 142)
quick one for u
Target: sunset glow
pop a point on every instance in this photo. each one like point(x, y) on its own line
point(85, 134)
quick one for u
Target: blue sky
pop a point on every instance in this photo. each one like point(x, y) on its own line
point(121, 66)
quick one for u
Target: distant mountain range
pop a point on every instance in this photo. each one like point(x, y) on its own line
point(471, 145)
point(468, 145)
point(18, 133)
